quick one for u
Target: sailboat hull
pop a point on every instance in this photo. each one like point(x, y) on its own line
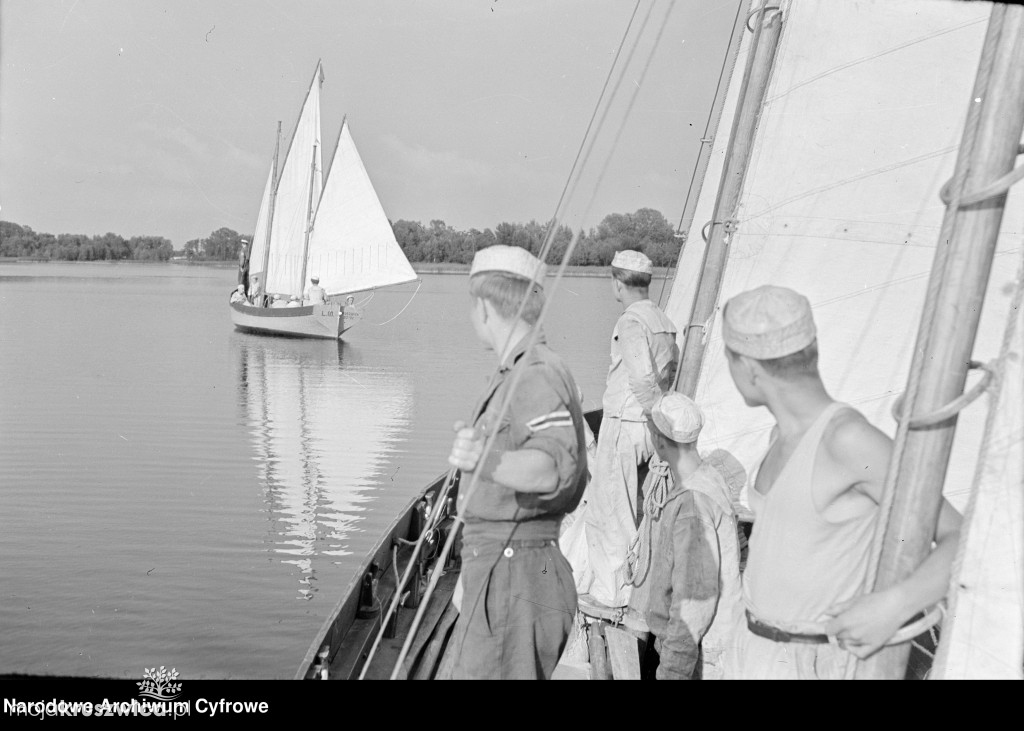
point(313, 321)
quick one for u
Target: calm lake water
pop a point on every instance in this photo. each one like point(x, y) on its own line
point(178, 493)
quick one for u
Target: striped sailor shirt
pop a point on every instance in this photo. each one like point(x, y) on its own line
point(544, 414)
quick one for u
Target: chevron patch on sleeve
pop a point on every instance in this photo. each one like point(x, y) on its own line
point(555, 418)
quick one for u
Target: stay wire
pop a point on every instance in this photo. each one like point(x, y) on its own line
point(545, 248)
point(531, 341)
point(600, 178)
point(707, 128)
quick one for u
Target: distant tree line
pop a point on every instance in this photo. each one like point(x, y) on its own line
point(22, 241)
point(646, 230)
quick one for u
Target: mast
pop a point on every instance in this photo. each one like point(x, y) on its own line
point(309, 219)
point(273, 200)
point(950, 318)
point(327, 173)
point(752, 94)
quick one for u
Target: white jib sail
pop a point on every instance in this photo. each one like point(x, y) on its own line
point(352, 246)
point(292, 203)
point(859, 131)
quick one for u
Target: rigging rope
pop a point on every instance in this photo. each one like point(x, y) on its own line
point(418, 285)
point(536, 328)
point(548, 241)
point(704, 140)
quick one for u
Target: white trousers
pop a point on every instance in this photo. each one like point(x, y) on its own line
point(610, 515)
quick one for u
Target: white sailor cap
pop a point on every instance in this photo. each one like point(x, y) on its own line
point(768, 322)
point(314, 279)
point(677, 417)
point(635, 261)
point(513, 260)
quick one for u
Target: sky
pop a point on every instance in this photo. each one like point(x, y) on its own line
point(158, 117)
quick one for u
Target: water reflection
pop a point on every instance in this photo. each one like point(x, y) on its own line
point(322, 422)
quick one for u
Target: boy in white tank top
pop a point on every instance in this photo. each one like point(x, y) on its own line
point(815, 498)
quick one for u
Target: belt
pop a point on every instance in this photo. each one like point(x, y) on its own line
point(759, 628)
point(488, 531)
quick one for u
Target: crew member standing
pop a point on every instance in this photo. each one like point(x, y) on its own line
point(243, 265)
point(315, 295)
point(644, 355)
point(518, 600)
point(815, 497)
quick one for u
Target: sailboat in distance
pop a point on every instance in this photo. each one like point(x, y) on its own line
point(315, 225)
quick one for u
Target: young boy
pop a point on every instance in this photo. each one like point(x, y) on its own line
point(518, 598)
point(695, 597)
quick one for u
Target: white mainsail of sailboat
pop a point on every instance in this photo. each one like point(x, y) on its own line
point(859, 129)
point(334, 229)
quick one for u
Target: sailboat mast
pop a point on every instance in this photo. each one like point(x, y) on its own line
point(752, 93)
point(309, 219)
point(273, 200)
point(950, 320)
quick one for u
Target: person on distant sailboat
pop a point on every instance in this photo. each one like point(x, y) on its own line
point(694, 583)
point(243, 264)
point(644, 354)
point(518, 601)
point(239, 294)
point(315, 295)
point(815, 497)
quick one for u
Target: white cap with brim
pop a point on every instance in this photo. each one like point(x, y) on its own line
point(513, 260)
point(634, 261)
point(768, 322)
point(677, 417)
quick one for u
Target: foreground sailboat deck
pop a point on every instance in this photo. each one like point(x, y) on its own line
point(835, 193)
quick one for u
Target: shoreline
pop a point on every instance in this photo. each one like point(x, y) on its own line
point(418, 267)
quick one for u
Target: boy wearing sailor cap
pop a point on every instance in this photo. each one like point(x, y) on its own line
point(518, 599)
point(644, 355)
point(695, 597)
point(815, 497)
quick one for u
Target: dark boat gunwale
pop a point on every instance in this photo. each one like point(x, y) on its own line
point(336, 629)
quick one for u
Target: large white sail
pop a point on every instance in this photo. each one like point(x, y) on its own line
point(859, 130)
point(300, 181)
point(858, 133)
point(352, 246)
point(258, 246)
